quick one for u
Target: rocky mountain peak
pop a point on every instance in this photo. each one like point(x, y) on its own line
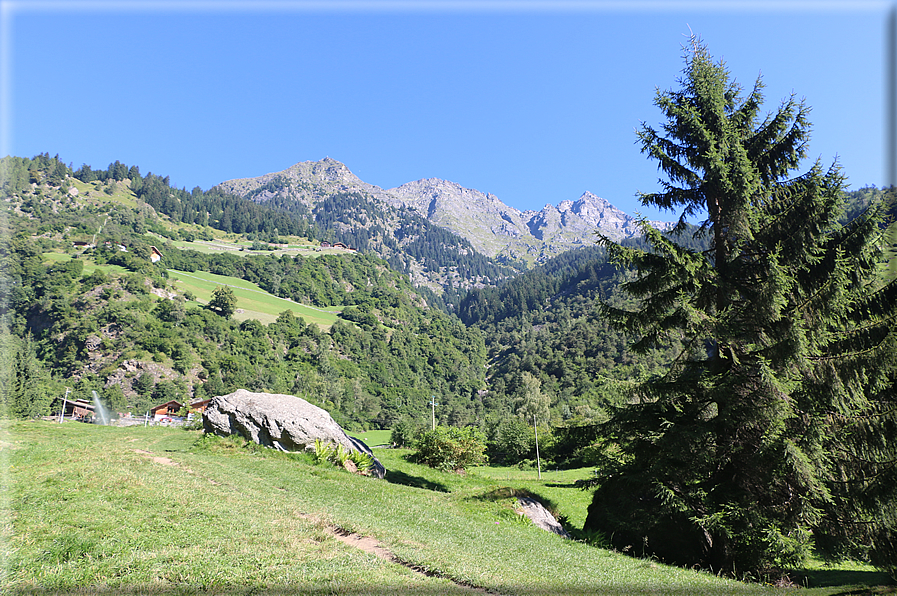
point(492, 227)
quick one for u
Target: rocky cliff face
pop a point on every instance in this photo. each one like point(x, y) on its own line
point(495, 229)
point(492, 228)
point(308, 182)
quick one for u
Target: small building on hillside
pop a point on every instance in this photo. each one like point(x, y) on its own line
point(155, 254)
point(166, 410)
point(199, 405)
point(79, 408)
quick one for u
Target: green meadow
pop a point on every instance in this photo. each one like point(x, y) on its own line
point(96, 510)
point(244, 248)
point(252, 301)
point(89, 265)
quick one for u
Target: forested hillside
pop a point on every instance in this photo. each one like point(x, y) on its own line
point(127, 332)
point(342, 208)
point(432, 256)
point(547, 322)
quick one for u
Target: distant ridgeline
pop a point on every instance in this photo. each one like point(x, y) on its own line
point(133, 338)
point(433, 256)
point(213, 208)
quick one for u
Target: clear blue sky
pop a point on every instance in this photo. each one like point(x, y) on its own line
point(535, 102)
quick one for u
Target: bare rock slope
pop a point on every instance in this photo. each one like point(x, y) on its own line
point(493, 228)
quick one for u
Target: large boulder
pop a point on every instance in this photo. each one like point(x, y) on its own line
point(284, 422)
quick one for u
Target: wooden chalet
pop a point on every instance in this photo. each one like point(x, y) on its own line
point(199, 405)
point(79, 408)
point(166, 410)
point(155, 254)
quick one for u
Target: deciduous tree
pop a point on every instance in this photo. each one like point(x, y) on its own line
point(533, 405)
point(223, 301)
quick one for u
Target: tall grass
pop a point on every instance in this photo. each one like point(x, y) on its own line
point(102, 510)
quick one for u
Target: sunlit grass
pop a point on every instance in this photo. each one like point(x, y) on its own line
point(254, 302)
point(89, 265)
point(373, 438)
point(103, 510)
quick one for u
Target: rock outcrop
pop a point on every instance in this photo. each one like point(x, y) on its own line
point(491, 227)
point(284, 422)
point(540, 516)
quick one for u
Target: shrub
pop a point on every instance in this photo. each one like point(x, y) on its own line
point(450, 448)
point(513, 441)
point(405, 433)
point(338, 455)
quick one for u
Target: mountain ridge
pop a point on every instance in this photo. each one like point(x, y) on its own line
point(492, 227)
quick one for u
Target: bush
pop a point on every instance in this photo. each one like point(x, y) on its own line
point(513, 441)
point(405, 433)
point(449, 448)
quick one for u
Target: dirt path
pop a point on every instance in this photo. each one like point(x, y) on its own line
point(365, 543)
point(375, 547)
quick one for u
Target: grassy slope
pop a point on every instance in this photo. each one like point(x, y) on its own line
point(254, 302)
point(134, 510)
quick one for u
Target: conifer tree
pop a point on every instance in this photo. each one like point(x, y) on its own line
point(29, 394)
point(768, 423)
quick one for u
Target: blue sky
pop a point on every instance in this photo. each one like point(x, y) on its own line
point(535, 102)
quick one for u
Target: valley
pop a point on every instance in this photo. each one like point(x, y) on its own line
point(387, 308)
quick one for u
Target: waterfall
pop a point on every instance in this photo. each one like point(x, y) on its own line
point(100, 412)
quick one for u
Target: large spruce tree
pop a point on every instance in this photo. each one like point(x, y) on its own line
point(772, 423)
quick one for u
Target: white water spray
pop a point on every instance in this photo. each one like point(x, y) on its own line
point(99, 411)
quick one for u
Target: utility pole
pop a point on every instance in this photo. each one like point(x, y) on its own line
point(62, 413)
point(538, 462)
point(433, 404)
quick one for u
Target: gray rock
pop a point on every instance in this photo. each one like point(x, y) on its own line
point(540, 516)
point(284, 422)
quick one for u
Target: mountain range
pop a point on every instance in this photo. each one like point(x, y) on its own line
point(490, 226)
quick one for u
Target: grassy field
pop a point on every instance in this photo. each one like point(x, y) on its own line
point(374, 438)
point(106, 510)
point(252, 301)
point(89, 265)
point(242, 248)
